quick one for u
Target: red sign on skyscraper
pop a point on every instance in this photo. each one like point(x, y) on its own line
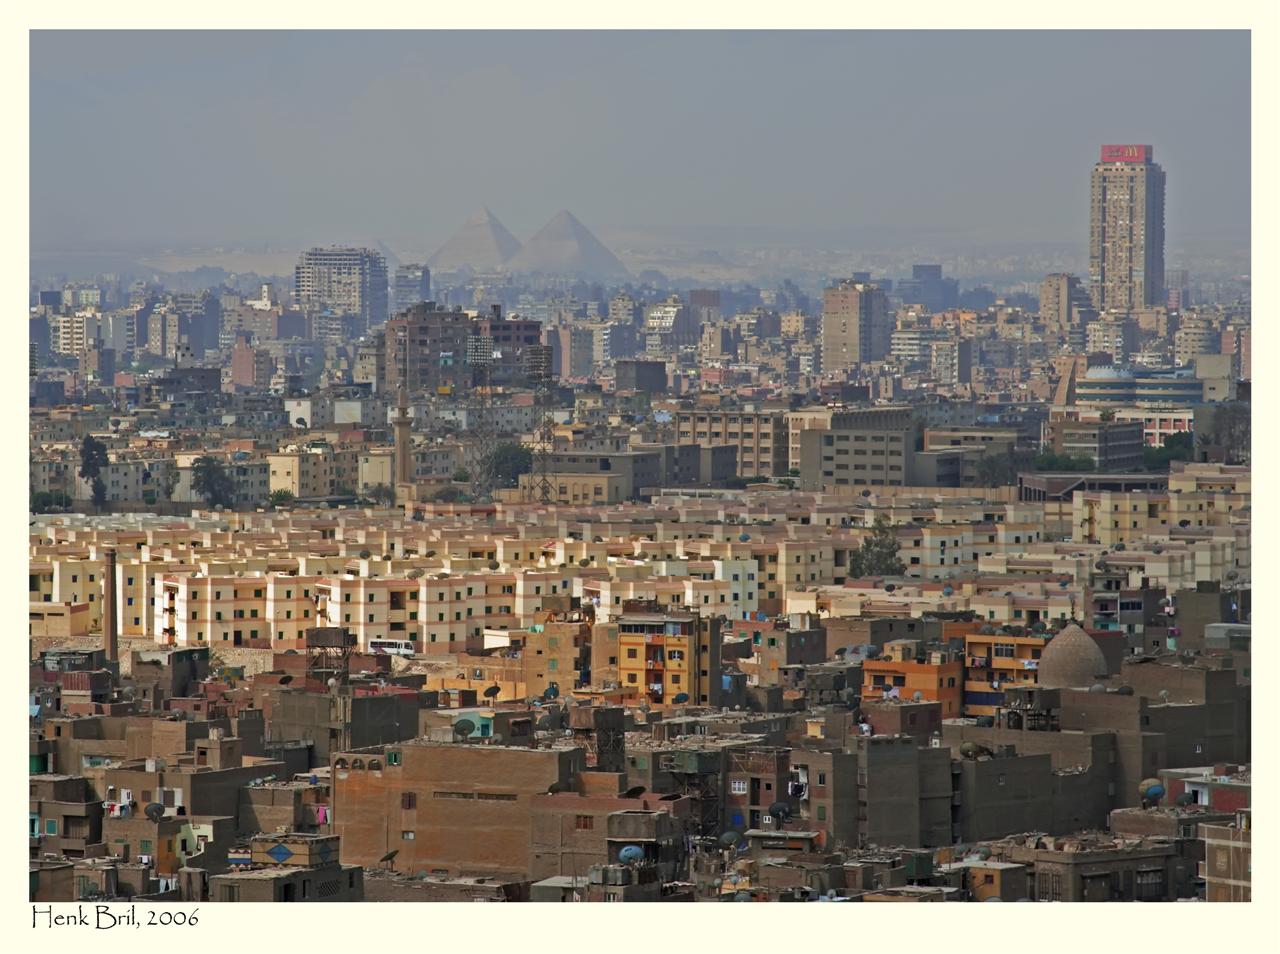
point(1126, 153)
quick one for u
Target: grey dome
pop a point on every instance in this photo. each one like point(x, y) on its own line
point(1071, 660)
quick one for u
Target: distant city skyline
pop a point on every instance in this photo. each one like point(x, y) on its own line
point(984, 137)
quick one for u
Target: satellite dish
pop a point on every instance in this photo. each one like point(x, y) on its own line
point(389, 857)
point(555, 788)
point(492, 691)
point(947, 591)
point(681, 697)
point(286, 679)
point(917, 696)
point(1097, 687)
point(332, 683)
point(889, 587)
point(634, 792)
point(630, 854)
point(730, 838)
point(552, 691)
point(1164, 695)
point(154, 811)
point(463, 728)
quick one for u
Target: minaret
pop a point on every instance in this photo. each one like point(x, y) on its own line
point(402, 423)
point(110, 638)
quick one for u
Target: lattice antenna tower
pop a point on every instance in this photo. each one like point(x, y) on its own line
point(542, 380)
point(481, 436)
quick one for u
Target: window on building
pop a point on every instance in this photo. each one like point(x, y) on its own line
point(738, 786)
point(408, 800)
point(584, 822)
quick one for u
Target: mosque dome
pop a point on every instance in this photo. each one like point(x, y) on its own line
point(1071, 660)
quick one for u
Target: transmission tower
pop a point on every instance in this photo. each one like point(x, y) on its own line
point(541, 379)
point(481, 433)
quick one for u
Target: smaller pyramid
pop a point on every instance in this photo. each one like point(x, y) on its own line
point(565, 246)
point(483, 244)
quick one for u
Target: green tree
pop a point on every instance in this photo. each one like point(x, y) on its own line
point(462, 475)
point(382, 494)
point(281, 498)
point(209, 478)
point(1049, 461)
point(1230, 429)
point(44, 501)
point(995, 469)
point(98, 488)
point(166, 477)
point(93, 457)
point(448, 495)
point(878, 555)
point(507, 462)
point(1176, 447)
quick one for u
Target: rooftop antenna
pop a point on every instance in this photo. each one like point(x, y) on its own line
point(539, 371)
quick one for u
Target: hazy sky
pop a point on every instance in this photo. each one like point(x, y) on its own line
point(150, 138)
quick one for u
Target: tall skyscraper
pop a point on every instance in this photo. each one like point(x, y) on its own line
point(412, 285)
point(345, 281)
point(1126, 230)
point(856, 325)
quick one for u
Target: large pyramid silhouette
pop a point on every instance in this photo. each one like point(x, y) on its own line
point(482, 244)
point(565, 246)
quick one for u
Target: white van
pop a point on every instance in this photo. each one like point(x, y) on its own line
point(392, 647)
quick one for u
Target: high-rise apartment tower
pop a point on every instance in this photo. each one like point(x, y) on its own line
point(1126, 230)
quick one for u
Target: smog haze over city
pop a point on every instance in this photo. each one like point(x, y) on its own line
point(744, 146)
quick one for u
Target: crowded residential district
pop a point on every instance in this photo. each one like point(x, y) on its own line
point(519, 575)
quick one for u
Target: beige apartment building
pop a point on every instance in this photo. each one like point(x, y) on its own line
point(305, 473)
point(760, 436)
point(869, 446)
